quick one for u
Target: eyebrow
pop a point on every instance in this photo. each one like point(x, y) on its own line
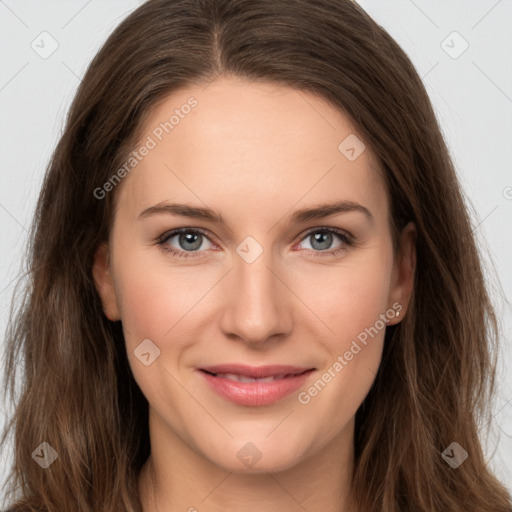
point(299, 216)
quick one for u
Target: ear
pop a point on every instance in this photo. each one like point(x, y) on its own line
point(105, 284)
point(402, 280)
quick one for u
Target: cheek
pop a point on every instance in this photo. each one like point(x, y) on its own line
point(353, 307)
point(152, 300)
point(348, 299)
point(154, 304)
point(364, 297)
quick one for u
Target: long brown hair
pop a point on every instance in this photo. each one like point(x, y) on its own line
point(76, 391)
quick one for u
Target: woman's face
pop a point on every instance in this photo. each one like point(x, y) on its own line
point(250, 281)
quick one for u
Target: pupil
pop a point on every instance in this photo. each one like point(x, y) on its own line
point(326, 240)
point(190, 238)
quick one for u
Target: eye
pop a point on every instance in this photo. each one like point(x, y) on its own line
point(188, 240)
point(321, 240)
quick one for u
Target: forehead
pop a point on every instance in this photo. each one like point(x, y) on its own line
point(260, 144)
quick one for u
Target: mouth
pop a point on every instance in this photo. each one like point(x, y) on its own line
point(245, 378)
point(255, 386)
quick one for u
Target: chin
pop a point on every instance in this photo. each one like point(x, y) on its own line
point(257, 457)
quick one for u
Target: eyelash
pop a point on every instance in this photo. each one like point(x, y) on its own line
point(346, 239)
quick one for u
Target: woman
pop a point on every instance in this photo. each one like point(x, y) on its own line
point(249, 371)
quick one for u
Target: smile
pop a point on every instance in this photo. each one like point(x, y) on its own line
point(255, 387)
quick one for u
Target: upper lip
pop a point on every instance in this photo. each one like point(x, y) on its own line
point(256, 372)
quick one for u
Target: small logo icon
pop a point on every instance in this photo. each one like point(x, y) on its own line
point(351, 147)
point(455, 455)
point(454, 45)
point(44, 45)
point(44, 455)
point(146, 352)
point(249, 455)
point(249, 250)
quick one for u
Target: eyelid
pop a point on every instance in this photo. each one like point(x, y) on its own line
point(338, 231)
point(176, 231)
point(162, 239)
point(171, 233)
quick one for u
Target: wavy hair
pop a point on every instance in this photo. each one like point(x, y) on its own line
point(67, 372)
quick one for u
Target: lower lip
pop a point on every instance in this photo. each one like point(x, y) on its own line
point(255, 393)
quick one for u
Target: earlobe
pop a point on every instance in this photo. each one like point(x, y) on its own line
point(105, 284)
point(403, 272)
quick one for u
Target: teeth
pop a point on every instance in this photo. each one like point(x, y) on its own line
point(243, 378)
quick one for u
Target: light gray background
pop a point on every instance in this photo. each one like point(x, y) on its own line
point(472, 95)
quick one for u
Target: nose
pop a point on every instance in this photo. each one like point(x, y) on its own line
point(258, 303)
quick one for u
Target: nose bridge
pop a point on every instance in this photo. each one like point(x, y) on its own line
point(256, 306)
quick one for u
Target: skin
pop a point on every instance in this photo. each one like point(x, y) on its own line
point(255, 153)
